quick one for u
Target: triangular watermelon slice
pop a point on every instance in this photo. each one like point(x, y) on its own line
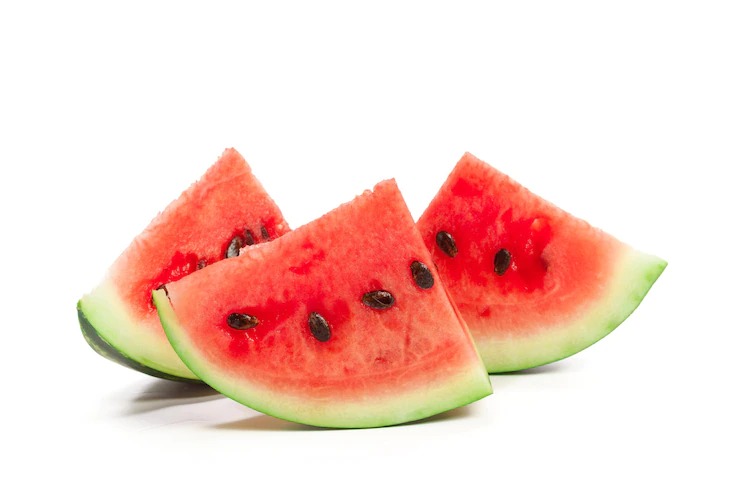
point(534, 283)
point(341, 323)
point(223, 211)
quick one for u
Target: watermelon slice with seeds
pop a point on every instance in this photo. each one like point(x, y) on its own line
point(341, 323)
point(225, 210)
point(533, 283)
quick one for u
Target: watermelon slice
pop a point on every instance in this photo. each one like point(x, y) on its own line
point(222, 212)
point(534, 283)
point(341, 323)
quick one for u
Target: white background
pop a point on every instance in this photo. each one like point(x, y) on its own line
point(624, 113)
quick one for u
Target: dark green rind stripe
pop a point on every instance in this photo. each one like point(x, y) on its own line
point(103, 348)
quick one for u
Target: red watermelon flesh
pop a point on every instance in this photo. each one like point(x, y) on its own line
point(252, 327)
point(223, 211)
point(533, 283)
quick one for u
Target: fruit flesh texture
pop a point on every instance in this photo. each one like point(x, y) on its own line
point(568, 284)
point(379, 367)
point(194, 230)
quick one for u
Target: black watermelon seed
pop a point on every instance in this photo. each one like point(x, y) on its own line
point(422, 275)
point(501, 261)
point(319, 327)
point(242, 321)
point(249, 237)
point(264, 233)
point(379, 300)
point(234, 246)
point(201, 263)
point(446, 242)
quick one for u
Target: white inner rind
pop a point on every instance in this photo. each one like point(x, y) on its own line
point(462, 386)
point(137, 340)
point(634, 274)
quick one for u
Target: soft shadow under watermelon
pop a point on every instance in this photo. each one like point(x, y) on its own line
point(451, 415)
point(535, 378)
point(162, 394)
point(554, 367)
point(263, 422)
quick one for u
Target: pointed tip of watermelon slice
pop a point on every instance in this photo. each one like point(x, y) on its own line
point(634, 275)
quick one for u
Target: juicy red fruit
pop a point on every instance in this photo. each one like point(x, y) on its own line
point(372, 308)
point(533, 283)
point(180, 266)
point(478, 243)
point(205, 223)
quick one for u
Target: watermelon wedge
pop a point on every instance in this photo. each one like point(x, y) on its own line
point(533, 283)
point(341, 323)
point(224, 211)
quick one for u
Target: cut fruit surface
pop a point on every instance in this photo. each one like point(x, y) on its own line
point(341, 323)
point(534, 283)
point(223, 211)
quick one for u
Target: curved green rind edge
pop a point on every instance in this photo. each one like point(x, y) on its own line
point(634, 276)
point(366, 412)
point(105, 349)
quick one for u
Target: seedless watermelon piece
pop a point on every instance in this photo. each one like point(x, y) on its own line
point(341, 323)
point(534, 283)
point(223, 211)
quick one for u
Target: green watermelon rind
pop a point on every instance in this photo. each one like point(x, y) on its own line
point(112, 332)
point(103, 348)
point(634, 273)
point(462, 388)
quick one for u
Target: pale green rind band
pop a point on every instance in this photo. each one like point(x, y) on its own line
point(465, 385)
point(122, 339)
point(634, 275)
